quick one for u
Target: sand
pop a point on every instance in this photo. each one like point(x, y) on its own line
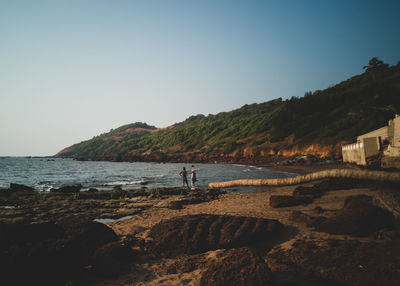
point(154, 272)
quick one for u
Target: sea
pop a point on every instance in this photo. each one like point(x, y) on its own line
point(46, 173)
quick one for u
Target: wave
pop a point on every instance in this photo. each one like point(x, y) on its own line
point(122, 183)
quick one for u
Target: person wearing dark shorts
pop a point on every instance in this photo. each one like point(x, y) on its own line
point(183, 174)
point(193, 178)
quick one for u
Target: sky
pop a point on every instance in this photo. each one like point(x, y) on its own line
point(70, 70)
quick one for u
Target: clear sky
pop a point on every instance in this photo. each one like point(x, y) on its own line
point(70, 70)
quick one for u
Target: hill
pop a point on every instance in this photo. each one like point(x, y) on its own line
point(316, 124)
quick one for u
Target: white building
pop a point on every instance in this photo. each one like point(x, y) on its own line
point(386, 139)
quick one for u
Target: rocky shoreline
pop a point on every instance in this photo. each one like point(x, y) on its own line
point(331, 232)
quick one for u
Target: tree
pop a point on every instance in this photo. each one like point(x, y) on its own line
point(373, 66)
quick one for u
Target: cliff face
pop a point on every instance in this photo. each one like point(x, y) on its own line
point(316, 124)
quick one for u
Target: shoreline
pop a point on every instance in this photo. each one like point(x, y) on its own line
point(320, 202)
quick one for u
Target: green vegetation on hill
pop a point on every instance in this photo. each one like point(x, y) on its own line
point(325, 117)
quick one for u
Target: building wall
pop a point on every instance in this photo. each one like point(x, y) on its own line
point(390, 130)
point(382, 132)
point(354, 153)
point(371, 146)
point(396, 132)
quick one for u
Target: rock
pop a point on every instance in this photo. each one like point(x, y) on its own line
point(241, 267)
point(349, 262)
point(29, 233)
point(187, 263)
point(359, 217)
point(92, 190)
point(307, 192)
point(48, 253)
point(338, 184)
point(309, 221)
point(34, 254)
point(389, 198)
point(318, 210)
point(20, 188)
point(388, 234)
point(112, 259)
point(49, 262)
point(287, 201)
point(84, 237)
point(68, 189)
point(200, 233)
point(173, 205)
point(101, 195)
point(158, 192)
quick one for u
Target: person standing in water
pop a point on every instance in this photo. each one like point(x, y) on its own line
point(183, 174)
point(193, 178)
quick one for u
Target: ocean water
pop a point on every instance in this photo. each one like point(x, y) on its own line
point(46, 173)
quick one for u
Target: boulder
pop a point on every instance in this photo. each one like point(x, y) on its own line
point(68, 189)
point(318, 210)
point(338, 184)
point(307, 192)
point(309, 221)
point(34, 254)
point(389, 198)
point(240, 267)
point(84, 237)
point(20, 188)
point(28, 233)
point(359, 217)
point(287, 201)
point(200, 233)
point(348, 262)
point(112, 259)
point(53, 254)
point(188, 263)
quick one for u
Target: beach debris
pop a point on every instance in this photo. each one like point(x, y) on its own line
point(194, 234)
point(241, 267)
